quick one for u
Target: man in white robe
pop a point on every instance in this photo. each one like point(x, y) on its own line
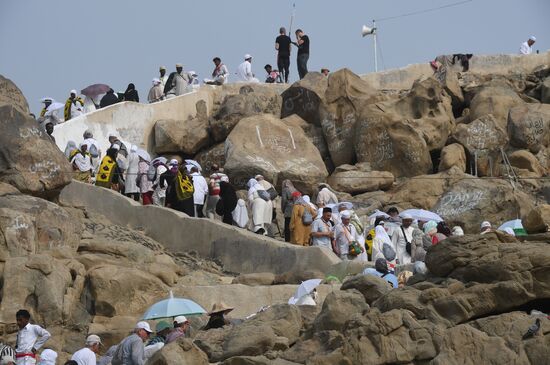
point(400, 237)
point(244, 71)
point(526, 47)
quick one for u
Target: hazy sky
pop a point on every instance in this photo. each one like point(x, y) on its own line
point(50, 47)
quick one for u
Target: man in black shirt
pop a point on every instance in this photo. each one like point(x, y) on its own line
point(282, 44)
point(302, 42)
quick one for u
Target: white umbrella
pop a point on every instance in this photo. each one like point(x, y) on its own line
point(377, 213)
point(143, 154)
point(422, 215)
point(515, 225)
point(194, 163)
point(307, 287)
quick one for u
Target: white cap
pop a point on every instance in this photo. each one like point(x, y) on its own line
point(247, 56)
point(345, 214)
point(180, 319)
point(156, 81)
point(113, 134)
point(533, 38)
point(457, 231)
point(173, 162)
point(73, 91)
point(192, 73)
point(115, 147)
point(406, 216)
point(179, 65)
point(486, 225)
point(144, 326)
point(93, 339)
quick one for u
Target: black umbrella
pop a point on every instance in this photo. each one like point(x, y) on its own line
point(95, 90)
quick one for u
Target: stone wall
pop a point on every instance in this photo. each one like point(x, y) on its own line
point(403, 78)
point(236, 249)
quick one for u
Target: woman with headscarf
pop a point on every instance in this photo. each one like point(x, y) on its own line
point(145, 185)
point(240, 214)
point(131, 188)
point(261, 209)
point(131, 93)
point(180, 194)
point(228, 201)
point(286, 205)
point(381, 238)
point(300, 231)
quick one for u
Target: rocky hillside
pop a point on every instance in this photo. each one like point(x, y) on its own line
point(78, 272)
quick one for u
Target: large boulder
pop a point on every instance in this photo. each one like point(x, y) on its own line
point(265, 145)
point(496, 98)
point(545, 91)
point(305, 98)
point(180, 352)
point(345, 97)
point(11, 95)
point(523, 159)
point(538, 219)
point(247, 103)
point(285, 321)
point(315, 135)
point(32, 225)
point(213, 155)
point(390, 144)
point(116, 290)
point(29, 160)
point(452, 155)
point(484, 138)
point(49, 288)
point(372, 287)
point(338, 308)
point(249, 340)
point(529, 126)
point(472, 201)
point(360, 179)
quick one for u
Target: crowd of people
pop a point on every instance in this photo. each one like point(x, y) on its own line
point(135, 349)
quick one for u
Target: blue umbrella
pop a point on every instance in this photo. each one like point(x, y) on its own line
point(173, 307)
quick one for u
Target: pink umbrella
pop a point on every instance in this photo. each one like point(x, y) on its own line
point(95, 90)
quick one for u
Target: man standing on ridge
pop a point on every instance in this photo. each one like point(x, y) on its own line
point(74, 106)
point(302, 42)
point(282, 45)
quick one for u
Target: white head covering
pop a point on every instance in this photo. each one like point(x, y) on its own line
point(134, 148)
point(485, 224)
point(532, 38)
point(406, 216)
point(457, 231)
point(224, 178)
point(346, 214)
point(113, 134)
point(73, 91)
point(115, 147)
point(71, 146)
point(252, 183)
point(306, 198)
point(381, 234)
point(240, 214)
point(48, 357)
point(247, 56)
point(173, 162)
point(156, 81)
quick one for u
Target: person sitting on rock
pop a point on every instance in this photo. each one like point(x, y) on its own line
point(273, 76)
point(109, 175)
point(526, 47)
point(219, 75)
point(244, 71)
point(486, 227)
point(217, 316)
point(181, 324)
point(131, 351)
point(87, 355)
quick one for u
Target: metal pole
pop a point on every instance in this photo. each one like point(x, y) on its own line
point(375, 51)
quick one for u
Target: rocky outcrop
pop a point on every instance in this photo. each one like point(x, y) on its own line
point(180, 352)
point(248, 102)
point(523, 159)
point(529, 126)
point(452, 155)
point(496, 98)
point(29, 160)
point(187, 136)
point(12, 96)
point(538, 219)
point(360, 179)
point(265, 145)
point(472, 201)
